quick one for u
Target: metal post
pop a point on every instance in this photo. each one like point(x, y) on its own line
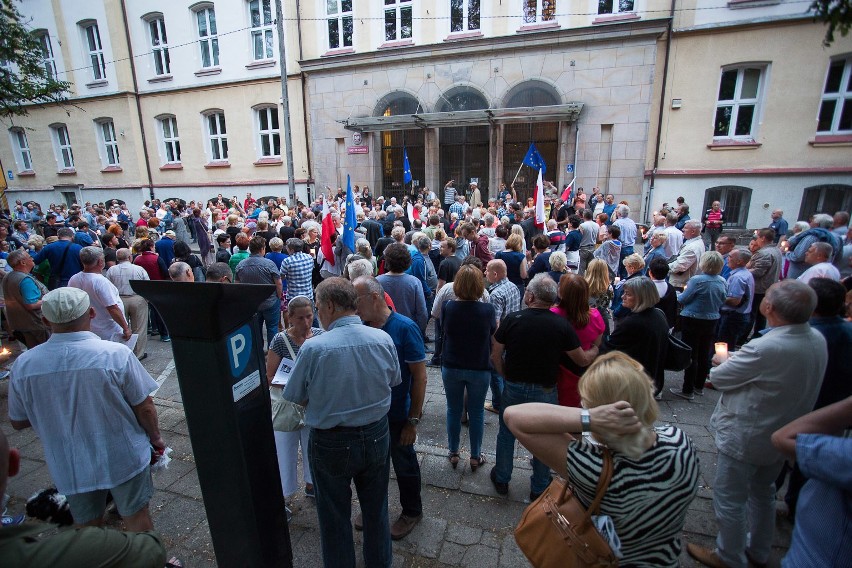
point(285, 100)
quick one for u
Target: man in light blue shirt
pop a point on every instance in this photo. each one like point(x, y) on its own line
point(628, 236)
point(344, 377)
point(736, 311)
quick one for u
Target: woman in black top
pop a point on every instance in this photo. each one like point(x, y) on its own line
point(468, 325)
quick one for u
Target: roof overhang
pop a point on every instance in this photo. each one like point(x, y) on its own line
point(552, 113)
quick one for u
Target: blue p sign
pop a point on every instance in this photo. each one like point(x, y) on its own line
point(239, 350)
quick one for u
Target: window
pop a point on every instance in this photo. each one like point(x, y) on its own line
point(464, 15)
point(537, 11)
point(23, 158)
point(339, 23)
point(828, 198)
point(217, 136)
point(394, 141)
point(159, 46)
point(398, 20)
point(208, 40)
point(835, 110)
point(108, 142)
point(263, 45)
point(95, 51)
point(171, 140)
point(267, 128)
point(62, 147)
point(48, 61)
point(737, 105)
point(734, 199)
point(614, 6)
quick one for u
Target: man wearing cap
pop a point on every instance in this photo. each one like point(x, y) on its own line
point(93, 413)
point(165, 247)
point(109, 321)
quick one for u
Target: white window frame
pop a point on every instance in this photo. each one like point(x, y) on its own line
point(397, 7)
point(263, 31)
point(843, 95)
point(63, 151)
point(216, 132)
point(269, 134)
point(340, 16)
point(208, 43)
point(738, 101)
point(48, 59)
point(159, 42)
point(107, 143)
point(169, 139)
point(538, 18)
point(616, 8)
point(94, 50)
point(465, 8)
point(23, 156)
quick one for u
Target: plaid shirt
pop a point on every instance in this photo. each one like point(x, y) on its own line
point(297, 270)
point(459, 208)
point(506, 298)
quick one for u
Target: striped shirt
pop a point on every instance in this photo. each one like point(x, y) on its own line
point(297, 270)
point(647, 498)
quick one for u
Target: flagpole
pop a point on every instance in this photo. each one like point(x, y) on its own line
point(519, 173)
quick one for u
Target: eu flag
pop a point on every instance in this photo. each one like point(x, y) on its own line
point(349, 220)
point(534, 159)
point(406, 167)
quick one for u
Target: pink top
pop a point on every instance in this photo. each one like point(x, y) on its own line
point(593, 329)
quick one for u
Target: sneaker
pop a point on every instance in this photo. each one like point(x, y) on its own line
point(403, 526)
point(289, 514)
point(434, 363)
point(658, 395)
point(681, 394)
point(166, 339)
point(705, 556)
point(501, 488)
point(13, 520)
point(698, 392)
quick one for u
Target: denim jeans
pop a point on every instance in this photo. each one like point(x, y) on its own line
point(455, 383)
point(519, 393)
point(339, 456)
point(742, 488)
point(407, 470)
point(698, 334)
point(270, 317)
point(496, 389)
point(732, 326)
point(439, 341)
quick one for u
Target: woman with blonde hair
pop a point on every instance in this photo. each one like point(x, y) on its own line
point(655, 471)
point(600, 290)
point(558, 265)
point(516, 260)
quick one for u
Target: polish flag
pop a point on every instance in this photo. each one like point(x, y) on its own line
point(327, 229)
point(539, 202)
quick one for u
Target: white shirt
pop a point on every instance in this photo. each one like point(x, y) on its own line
point(821, 270)
point(78, 392)
point(589, 230)
point(102, 294)
point(122, 273)
point(674, 240)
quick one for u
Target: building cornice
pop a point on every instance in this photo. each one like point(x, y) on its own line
point(563, 38)
point(754, 171)
point(736, 25)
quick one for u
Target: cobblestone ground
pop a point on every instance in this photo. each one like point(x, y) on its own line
point(465, 522)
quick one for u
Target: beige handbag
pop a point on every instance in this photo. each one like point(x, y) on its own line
point(287, 416)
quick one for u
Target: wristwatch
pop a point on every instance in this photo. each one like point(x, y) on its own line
point(586, 420)
point(414, 421)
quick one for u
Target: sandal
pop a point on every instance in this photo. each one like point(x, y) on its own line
point(476, 462)
point(454, 459)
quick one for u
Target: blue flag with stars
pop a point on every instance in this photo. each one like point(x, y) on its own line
point(349, 220)
point(406, 167)
point(534, 159)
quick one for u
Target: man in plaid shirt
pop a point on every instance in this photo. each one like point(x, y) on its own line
point(296, 269)
point(506, 298)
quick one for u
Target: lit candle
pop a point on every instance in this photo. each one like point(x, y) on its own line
point(722, 352)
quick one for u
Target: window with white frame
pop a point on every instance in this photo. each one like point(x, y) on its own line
point(95, 50)
point(170, 139)
point(464, 15)
point(539, 11)
point(835, 110)
point(159, 45)
point(398, 20)
point(263, 44)
point(48, 61)
point(217, 136)
point(269, 136)
point(208, 38)
point(108, 142)
point(614, 6)
point(340, 23)
point(23, 158)
point(738, 103)
point(62, 147)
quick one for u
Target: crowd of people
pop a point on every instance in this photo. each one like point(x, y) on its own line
point(566, 322)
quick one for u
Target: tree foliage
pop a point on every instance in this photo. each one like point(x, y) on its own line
point(24, 80)
point(837, 15)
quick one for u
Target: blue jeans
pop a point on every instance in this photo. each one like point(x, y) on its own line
point(455, 383)
point(407, 470)
point(270, 317)
point(732, 326)
point(338, 456)
point(496, 389)
point(519, 393)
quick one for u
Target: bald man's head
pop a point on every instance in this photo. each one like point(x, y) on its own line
point(495, 271)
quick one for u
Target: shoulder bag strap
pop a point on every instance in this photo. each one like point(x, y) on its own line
point(289, 347)
point(603, 485)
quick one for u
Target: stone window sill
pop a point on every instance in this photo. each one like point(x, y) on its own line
point(26, 173)
point(160, 79)
point(740, 4)
point(67, 172)
point(457, 36)
point(393, 44)
point(728, 144)
point(97, 84)
point(209, 71)
point(828, 140)
point(165, 167)
point(338, 51)
point(261, 64)
point(554, 25)
point(217, 165)
point(614, 18)
point(269, 162)
point(111, 169)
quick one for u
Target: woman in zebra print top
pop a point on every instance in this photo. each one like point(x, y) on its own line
point(655, 471)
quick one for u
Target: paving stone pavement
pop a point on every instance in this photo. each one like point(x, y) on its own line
point(465, 522)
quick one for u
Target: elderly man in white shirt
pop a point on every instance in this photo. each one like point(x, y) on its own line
point(109, 322)
point(135, 306)
point(817, 257)
point(685, 266)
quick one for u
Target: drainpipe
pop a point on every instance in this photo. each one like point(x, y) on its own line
point(136, 98)
point(303, 80)
point(648, 198)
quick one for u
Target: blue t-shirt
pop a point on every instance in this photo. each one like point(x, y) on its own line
point(408, 340)
point(29, 291)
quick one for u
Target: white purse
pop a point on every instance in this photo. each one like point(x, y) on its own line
point(287, 416)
